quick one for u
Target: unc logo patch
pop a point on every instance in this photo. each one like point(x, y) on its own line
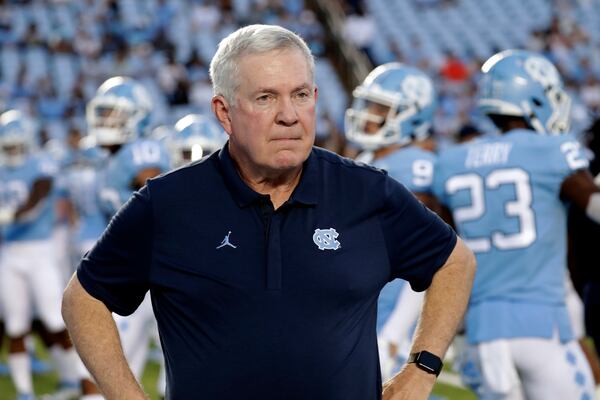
point(326, 239)
point(542, 71)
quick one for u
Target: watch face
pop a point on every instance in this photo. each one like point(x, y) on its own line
point(429, 362)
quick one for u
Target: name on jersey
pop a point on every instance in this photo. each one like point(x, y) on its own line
point(488, 154)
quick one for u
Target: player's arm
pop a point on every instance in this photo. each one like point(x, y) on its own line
point(446, 215)
point(40, 191)
point(579, 188)
point(65, 209)
point(443, 310)
point(147, 173)
point(430, 201)
point(96, 339)
point(434, 205)
point(400, 322)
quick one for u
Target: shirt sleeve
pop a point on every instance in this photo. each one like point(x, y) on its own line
point(567, 154)
point(116, 271)
point(418, 241)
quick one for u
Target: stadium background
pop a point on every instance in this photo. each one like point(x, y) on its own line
point(55, 53)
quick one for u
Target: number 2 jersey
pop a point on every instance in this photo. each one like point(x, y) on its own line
point(504, 194)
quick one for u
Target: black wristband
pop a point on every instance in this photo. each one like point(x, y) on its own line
point(427, 361)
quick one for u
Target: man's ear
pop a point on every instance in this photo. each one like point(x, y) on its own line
point(222, 109)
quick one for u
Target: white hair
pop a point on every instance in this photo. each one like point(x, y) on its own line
point(251, 39)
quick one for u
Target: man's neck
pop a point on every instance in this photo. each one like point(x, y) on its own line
point(279, 185)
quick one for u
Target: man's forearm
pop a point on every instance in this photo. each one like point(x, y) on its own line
point(443, 310)
point(96, 339)
point(445, 302)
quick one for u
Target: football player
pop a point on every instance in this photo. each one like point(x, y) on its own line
point(81, 186)
point(195, 136)
point(29, 276)
point(506, 196)
point(118, 117)
point(390, 120)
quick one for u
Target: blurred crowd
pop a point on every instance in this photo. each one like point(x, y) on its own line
point(565, 41)
point(56, 53)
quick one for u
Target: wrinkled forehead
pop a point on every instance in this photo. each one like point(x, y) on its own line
point(287, 67)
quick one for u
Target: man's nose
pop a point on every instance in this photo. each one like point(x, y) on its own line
point(287, 114)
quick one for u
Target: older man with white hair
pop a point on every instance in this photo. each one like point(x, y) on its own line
point(266, 258)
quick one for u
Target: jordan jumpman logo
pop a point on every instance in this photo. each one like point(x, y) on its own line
point(226, 242)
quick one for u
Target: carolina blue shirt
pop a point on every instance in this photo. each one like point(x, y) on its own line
point(504, 193)
point(412, 166)
point(82, 190)
point(121, 169)
point(272, 304)
point(16, 184)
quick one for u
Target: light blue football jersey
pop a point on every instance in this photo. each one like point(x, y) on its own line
point(413, 167)
point(504, 194)
point(124, 166)
point(82, 182)
point(16, 184)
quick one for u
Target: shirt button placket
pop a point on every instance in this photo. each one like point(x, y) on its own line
point(274, 264)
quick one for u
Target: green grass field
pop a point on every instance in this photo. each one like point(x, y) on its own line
point(46, 383)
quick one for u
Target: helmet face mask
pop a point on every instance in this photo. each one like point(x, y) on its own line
point(524, 84)
point(195, 136)
point(191, 153)
point(111, 117)
point(119, 112)
point(394, 105)
point(560, 101)
point(14, 155)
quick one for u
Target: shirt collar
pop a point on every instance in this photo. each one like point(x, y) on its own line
point(305, 193)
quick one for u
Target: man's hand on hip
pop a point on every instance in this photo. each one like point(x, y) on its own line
point(411, 383)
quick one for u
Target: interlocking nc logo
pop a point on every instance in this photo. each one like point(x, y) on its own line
point(326, 239)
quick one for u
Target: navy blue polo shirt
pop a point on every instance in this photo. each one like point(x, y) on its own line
point(264, 304)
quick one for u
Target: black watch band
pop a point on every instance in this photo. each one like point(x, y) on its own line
point(427, 361)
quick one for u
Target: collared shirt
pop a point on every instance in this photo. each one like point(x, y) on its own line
point(258, 303)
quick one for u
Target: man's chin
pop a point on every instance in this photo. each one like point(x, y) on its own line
point(288, 160)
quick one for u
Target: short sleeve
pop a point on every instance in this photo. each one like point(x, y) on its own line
point(568, 155)
point(116, 270)
point(417, 240)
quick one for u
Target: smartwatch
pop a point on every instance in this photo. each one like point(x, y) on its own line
point(427, 361)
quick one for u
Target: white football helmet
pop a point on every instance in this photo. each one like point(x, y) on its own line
point(18, 138)
point(524, 84)
point(195, 136)
point(394, 105)
point(119, 112)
